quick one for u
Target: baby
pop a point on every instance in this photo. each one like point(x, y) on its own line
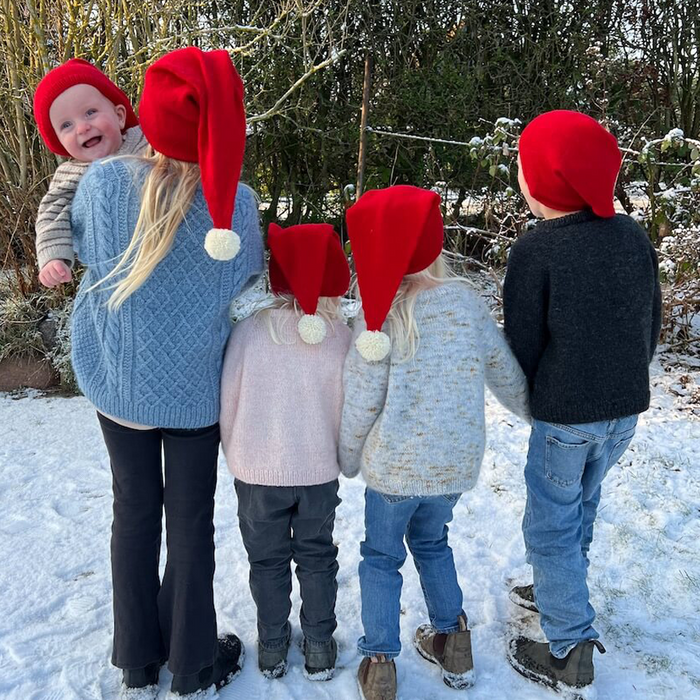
point(83, 115)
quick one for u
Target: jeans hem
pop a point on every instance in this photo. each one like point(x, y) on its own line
point(568, 646)
point(316, 643)
point(387, 654)
point(276, 646)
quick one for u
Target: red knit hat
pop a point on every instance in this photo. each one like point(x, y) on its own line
point(191, 109)
point(570, 162)
point(394, 232)
point(308, 262)
point(74, 72)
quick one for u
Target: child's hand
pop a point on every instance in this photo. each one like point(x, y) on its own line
point(55, 272)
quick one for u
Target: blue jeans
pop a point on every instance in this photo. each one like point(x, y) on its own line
point(566, 465)
point(422, 520)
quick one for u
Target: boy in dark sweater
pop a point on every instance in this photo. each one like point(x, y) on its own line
point(582, 307)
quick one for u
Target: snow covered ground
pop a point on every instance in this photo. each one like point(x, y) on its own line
point(55, 608)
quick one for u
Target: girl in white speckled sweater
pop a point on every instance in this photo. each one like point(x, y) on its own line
point(413, 423)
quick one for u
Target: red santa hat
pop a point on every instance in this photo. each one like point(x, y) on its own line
point(74, 72)
point(308, 262)
point(191, 109)
point(393, 232)
point(570, 162)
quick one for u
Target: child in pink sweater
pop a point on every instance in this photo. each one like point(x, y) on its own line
point(281, 401)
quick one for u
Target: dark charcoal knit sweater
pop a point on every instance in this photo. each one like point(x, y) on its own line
point(582, 307)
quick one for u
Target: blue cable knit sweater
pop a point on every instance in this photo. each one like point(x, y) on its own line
point(157, 359)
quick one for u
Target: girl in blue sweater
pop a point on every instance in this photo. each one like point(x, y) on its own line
point(149, 327)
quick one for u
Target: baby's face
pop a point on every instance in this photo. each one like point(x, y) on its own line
point(87, 124)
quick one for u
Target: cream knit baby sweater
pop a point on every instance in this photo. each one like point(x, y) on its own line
point(417, 428)
point(281, 404)
point(54, 238)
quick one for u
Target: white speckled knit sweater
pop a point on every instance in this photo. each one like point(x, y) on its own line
point(416, 428)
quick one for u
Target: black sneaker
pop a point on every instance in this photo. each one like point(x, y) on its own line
point(534, 661)
point(319, 660)
point(227, 665)
point(272, 662)
point(524, 596)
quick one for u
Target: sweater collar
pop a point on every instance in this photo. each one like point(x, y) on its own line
point(134, 142)
point(578, 217)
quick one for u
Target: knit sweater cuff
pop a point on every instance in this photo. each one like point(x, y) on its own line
point(55, 251)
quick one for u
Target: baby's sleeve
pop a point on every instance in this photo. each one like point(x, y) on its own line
point(54, 235)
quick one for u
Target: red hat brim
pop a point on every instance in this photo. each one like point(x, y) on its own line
point(76, 71)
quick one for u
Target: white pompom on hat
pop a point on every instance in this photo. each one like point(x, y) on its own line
point(373, 345)
point(222, 244)
point(312, 329)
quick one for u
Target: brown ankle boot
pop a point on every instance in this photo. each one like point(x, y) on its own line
point(534, 661)
point(451, 652)
point(377, 679)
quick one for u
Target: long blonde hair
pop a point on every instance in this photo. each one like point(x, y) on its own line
point(166, 196)
point(328, 309)
point(401, 322)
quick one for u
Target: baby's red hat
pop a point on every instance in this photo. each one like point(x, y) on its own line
point(570, 162)
point(74, 72)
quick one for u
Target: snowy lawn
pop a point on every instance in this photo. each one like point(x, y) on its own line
point(55, 607)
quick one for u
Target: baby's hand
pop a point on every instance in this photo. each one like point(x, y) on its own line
point(55, 272)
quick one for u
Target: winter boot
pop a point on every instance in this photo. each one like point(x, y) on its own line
point(524, 597)
point(319, 660)
point(451, 652)
point(226, 666)
point(534, 661)
point(272, 662)
point(377, 679)
point(141, 683)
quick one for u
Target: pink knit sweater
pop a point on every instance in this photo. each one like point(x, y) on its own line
point(281, 404)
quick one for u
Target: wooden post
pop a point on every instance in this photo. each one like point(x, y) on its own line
point(362, 155)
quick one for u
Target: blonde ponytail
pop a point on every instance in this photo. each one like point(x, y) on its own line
point(401, 323)
point(166, 196)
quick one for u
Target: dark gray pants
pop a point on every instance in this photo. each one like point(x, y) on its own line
point(173, 619)
point(281, 523)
